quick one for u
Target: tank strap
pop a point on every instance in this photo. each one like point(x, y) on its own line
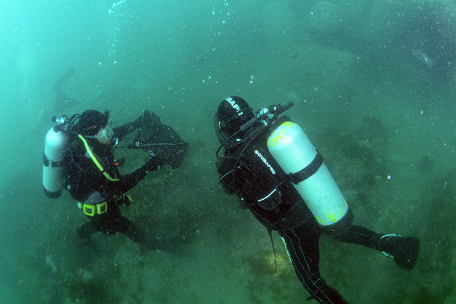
point(49, 163)
point(308, 171)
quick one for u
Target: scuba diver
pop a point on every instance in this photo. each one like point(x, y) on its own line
point(277, 173)
point(62, 101)
point(79, 157)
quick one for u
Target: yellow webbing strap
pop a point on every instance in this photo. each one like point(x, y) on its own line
point(94, 159)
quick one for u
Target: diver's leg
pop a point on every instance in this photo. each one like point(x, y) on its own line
point(358, 235)
point(173, 245)
point(302, 244)
point(404, 250)
point(126, 227)
point(147, 117)
point(86, 230)
point(113, 222)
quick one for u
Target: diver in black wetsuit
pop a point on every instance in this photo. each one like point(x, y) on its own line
point(249, 170)
point(93, 179)
point(62, 101)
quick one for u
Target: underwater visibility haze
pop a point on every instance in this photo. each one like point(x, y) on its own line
point(373, 87)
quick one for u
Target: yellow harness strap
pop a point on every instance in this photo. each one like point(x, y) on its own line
point(94, 159)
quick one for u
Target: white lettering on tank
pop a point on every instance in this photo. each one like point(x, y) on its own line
point(265, 161)
point(235, 106)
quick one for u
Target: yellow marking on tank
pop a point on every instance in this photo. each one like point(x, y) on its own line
point(277, 135)
point(288, 124)
point(320, 220)
point(332, 217)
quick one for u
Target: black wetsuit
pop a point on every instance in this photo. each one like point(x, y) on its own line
point(83, 178)
point(264, 188)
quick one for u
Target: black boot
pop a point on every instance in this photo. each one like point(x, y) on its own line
point(85, 231)
point(404, 250)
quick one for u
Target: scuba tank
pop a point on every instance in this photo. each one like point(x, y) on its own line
point(303, 164)
point(55, 144)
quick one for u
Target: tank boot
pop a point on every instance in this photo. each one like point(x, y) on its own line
point(404, 250)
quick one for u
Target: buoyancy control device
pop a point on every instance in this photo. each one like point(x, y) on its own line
point(55, 144)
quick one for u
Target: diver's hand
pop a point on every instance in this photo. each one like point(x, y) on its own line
point(150, 118)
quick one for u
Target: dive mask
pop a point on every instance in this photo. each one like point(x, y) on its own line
point(106, 133)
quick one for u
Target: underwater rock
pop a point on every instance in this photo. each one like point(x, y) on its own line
point(427, 29)
point(335, 21)
point(278, 33)
point(350, 195)
point(51, 263)
point(431, 31)
point(85, 275)
point(325, 16)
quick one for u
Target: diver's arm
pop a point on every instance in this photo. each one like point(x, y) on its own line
point(128, 181)
point(146, 118)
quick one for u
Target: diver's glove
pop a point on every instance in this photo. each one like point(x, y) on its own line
point(150, 118)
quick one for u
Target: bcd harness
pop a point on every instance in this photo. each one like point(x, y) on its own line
point(95, 203)
point(95, 161)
